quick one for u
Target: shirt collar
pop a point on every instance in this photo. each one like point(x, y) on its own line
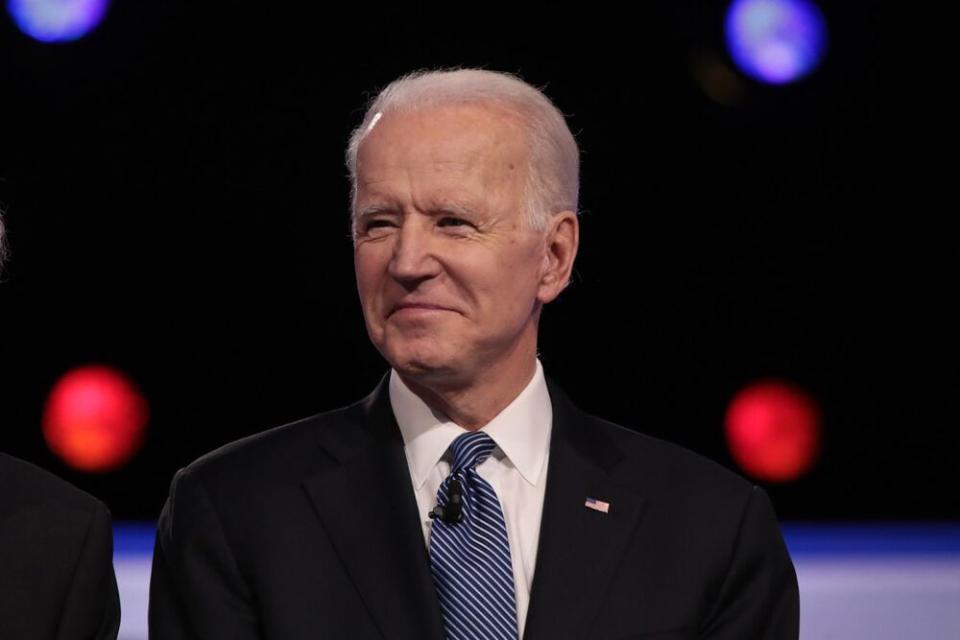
point(521, 430)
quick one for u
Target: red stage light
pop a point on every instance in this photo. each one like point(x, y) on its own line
point(773, 431)
point(94, 418)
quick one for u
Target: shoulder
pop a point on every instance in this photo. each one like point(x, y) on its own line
point(654, 466)
point(691, 502)
point(668, 460)
point(27, 486)
point(57, 576)
point(278, 455)
point(673, 479)
point(704, 527)
point(229, 489)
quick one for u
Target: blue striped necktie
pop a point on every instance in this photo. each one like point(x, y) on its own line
point(470, 559)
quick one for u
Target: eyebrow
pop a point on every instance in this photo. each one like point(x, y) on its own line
point(451, 206)
point(447, 206)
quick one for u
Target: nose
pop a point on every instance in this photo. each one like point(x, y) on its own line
point(414, 257)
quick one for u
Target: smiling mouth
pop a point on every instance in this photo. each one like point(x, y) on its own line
point(414, 308)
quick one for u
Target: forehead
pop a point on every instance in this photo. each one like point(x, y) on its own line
point(438, 138)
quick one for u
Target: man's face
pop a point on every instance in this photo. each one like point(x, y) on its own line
point(449, 276)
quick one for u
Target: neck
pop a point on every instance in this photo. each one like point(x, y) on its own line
point(474, 405)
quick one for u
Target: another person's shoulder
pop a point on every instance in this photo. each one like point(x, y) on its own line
point(27, 486)
point(57, 577)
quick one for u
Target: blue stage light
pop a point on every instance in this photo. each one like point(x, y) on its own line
point(57, 20)
point(775, 41)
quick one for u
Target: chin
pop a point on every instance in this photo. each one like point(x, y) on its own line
point(423, 365)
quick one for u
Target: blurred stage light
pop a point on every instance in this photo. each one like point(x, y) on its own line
point(773, 431)
point(775, 41)
point(94, 418)
point(57, 20)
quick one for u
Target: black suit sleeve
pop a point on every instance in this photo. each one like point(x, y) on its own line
point(759, 598)
point(196, 588)
point(92, 605)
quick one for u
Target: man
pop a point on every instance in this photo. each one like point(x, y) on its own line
point(56, 555)
point(466, 497)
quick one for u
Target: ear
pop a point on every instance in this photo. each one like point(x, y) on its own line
point(561, 241)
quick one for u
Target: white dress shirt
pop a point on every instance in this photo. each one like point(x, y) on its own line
point(517, 468)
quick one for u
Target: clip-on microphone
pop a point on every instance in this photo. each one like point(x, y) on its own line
point(453, 512)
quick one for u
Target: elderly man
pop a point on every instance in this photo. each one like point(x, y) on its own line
point(56, 564)
point(466, 497)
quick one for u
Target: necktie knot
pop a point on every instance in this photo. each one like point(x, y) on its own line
point(470, 449)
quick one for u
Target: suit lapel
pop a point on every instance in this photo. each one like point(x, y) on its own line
point(364, 499)
point(579, 548)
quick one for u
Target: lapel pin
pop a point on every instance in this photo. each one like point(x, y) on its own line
point(597, 505)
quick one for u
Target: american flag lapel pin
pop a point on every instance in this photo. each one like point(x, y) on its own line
point(597, 505)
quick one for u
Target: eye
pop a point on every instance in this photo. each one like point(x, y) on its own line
point(377, 223)
point(451, 221)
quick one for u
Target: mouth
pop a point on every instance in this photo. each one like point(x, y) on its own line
point(416, 307)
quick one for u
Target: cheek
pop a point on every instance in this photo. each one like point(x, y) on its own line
point(369, 275)
point(511, 286)
point(520, 269)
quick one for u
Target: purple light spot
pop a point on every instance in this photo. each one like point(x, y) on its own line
point(775, 41)
point(57, 20)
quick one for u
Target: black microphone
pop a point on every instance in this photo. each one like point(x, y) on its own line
point(452, 513)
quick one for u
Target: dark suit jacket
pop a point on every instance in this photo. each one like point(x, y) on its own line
point(56, 559)
point(311, 531)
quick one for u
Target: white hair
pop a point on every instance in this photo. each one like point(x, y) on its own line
point(553, 174)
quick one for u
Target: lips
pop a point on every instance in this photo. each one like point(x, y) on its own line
point(418, 305)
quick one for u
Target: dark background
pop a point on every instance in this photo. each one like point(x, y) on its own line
point(177, 206)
